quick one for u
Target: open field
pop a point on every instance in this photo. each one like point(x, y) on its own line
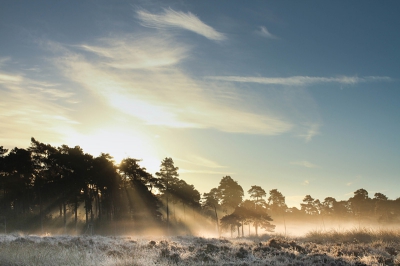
point(351, 247)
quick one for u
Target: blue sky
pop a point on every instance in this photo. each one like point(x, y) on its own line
point(299, 96)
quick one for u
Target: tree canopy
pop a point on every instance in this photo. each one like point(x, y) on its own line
point(64, 186)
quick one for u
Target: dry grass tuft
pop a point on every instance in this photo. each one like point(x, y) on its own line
point(356, 235)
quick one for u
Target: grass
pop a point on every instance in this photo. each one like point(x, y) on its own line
point(356, 235)
point(352, 247)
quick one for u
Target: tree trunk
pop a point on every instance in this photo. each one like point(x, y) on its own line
point(256, 227)
point(41, 212)
point(216, 220)
point(76, 214)
point(65, 217)
point(173, 204)
point(167, 213)
point(100, 210)
point(184, 213)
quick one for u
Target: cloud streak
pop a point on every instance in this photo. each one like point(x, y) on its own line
point(312, 131)
point(201, 161)
point(358, 178)
point(32, 107)
point(175, 19)
point(301, 80)
point(208, 172)
point(263, 31)
point(160, 93)
point(304, 164)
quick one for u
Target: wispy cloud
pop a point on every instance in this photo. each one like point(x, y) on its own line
point(201, 161)
point(174, 19)
point(304, 164)
point(187, 171)
point(311, 132)
point(6, 78)
point(137, 53)
point(301, 80)
point(32, 107)
point(263, 31)
point(156, 90)
point(4, 60)
point(358, 178)
point(306, 183)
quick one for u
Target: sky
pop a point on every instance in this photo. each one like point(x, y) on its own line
point(299, 96)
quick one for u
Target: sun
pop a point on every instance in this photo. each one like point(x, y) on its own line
point(120, 143)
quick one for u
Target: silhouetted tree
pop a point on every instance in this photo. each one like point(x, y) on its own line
point(276, 201)
point(229, 221)
point(231, 193)
point(3, 177)
point(243, 214)
point(328, 206)
point(309, 205)
point(382, 206)
point(19, 179)
point(257, 194)
point(187, 195)
point(75, 167)
point(106, 184)
point(168, 175)
point(44, 175)
point(143, 203)
point(360, 202)
point(211, 200)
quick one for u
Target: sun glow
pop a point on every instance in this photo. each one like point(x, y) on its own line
point(120, 143)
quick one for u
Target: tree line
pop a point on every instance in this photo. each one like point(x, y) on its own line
point(45, 187)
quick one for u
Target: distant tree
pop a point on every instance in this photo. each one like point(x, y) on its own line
point(318, 206)
point(231, 193)
point(380, 196)
point(311, 206)
point(360, 202)
point(231, 221)
point(294, 211)
point(168, 175)
point(277, 204)
point(328, 206)
point(243, 214)
point(211, 200)
point(276, 201)
point(342, 208)
point(187, 195)
point(257, 193)
point(382, 206)
point(257, 215)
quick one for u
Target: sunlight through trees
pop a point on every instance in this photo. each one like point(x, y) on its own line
point(64, 189)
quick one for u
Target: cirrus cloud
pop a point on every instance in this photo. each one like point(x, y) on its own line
point(174, 19)
point(300, 80)
point(156, 92)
